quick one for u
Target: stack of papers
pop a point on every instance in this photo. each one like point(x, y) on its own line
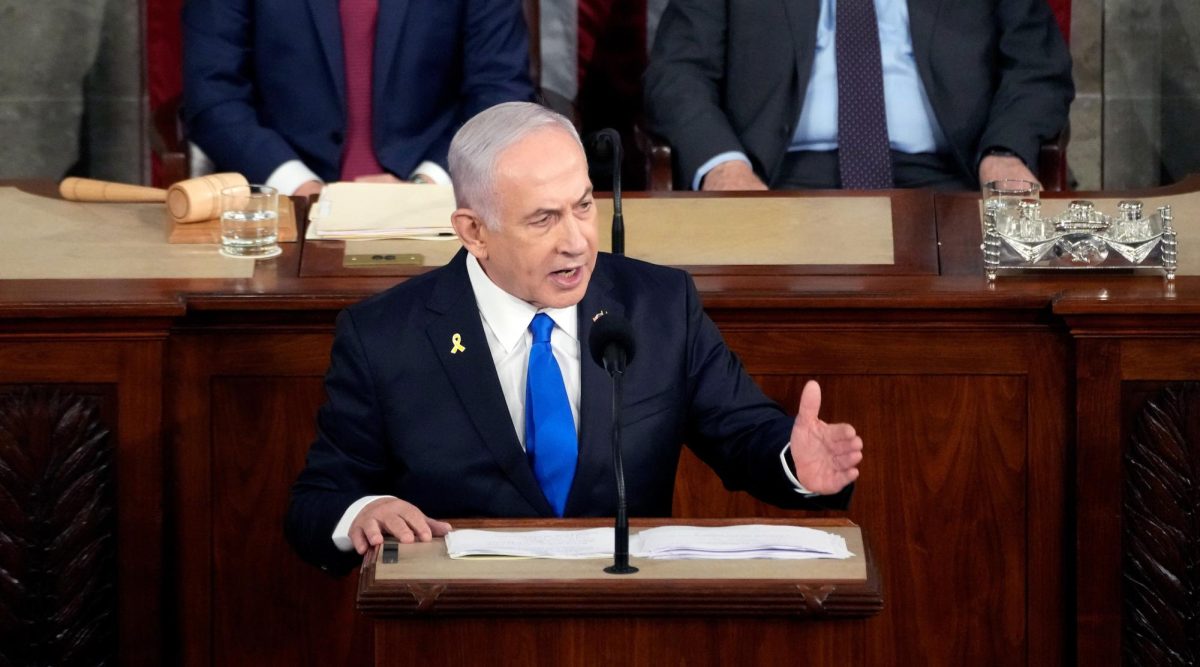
point(666, 542)
point(382, 211)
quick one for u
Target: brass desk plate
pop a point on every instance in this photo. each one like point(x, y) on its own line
point(383, 259)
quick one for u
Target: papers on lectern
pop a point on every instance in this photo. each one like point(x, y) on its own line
point(665, 542)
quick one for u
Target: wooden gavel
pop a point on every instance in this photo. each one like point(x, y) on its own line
point(193, 200)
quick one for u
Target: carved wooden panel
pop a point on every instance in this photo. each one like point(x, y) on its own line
point(1161, 577)
point(58, 601)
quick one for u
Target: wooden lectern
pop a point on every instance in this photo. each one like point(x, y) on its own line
point(431, 610)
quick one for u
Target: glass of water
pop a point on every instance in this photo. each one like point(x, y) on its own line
point(1005, 199)
point(250, 221)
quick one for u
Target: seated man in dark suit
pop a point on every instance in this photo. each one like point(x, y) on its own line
point(464, 392)
point(292, 94)
point(857, 94)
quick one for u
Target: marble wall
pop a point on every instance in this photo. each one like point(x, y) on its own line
point(71, 95)
point(1136, 118)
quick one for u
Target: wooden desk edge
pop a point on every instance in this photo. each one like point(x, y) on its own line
point(818, 600)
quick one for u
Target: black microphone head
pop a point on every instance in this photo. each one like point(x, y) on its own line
point(610, 334)
point(605, 143)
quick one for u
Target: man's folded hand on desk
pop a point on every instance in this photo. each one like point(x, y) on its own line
point(394, 517)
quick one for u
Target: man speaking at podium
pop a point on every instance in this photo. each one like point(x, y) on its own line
point(464, 392)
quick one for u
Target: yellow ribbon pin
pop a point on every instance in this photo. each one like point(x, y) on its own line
point(458, 347)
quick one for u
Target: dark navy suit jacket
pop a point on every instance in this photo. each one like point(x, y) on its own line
point(264, 80)
point(407, 417)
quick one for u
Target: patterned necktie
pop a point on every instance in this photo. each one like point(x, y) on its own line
point(550, 439)
point(864, 157)
point(358, 41)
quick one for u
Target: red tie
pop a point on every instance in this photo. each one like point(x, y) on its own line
point(358, 39)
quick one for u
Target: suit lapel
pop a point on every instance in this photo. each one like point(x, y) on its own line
point(595, 400)
point(473, 375)
point(388, 26)
point(922, 17)
point(328, 23)
point(803, 16)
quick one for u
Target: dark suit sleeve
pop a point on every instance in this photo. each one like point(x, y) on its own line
point(733, 426)
point(218, 92)
point(347, 461)
point(1034, 87)
point(493, 45)
point(496, 56)
point(684, 81)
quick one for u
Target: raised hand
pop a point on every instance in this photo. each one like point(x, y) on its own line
point(826, 455)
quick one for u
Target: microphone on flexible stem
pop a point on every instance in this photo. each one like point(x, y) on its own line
point(613, 139)
point(611, 345)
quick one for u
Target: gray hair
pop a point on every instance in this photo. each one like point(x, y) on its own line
point(475, 147)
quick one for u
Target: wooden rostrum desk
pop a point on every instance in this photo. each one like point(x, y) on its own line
point(440, 611)
point(1006, 519)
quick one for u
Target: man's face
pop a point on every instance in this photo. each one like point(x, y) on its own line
point(545, 248)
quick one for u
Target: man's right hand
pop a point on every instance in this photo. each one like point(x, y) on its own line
point(732, 175)
point(391, 516)
point(308, 188)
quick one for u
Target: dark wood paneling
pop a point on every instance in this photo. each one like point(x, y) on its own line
point(953, 449)
point(1098, 501)
point(967, 445)
point(292, 614)
point(245, 596)
point(622, 641)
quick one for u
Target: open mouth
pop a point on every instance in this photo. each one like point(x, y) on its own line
point(567, 278)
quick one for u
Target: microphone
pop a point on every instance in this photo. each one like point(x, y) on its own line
point(612, 347)
point(611, 343)
point(610, 137)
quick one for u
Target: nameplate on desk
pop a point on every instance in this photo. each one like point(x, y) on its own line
point(383, 259)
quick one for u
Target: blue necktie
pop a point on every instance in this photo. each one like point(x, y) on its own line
point(550, 439)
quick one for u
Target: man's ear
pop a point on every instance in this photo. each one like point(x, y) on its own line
point(472, 231)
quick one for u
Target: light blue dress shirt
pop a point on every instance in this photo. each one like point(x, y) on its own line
point(912, 126)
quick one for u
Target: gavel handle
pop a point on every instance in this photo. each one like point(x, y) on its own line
point(87, 189)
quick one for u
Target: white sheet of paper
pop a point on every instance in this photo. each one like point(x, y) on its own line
point(665, 542)
point(588, 543)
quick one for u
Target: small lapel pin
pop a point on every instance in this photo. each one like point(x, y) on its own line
point(458, 346)
point(598, 315)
